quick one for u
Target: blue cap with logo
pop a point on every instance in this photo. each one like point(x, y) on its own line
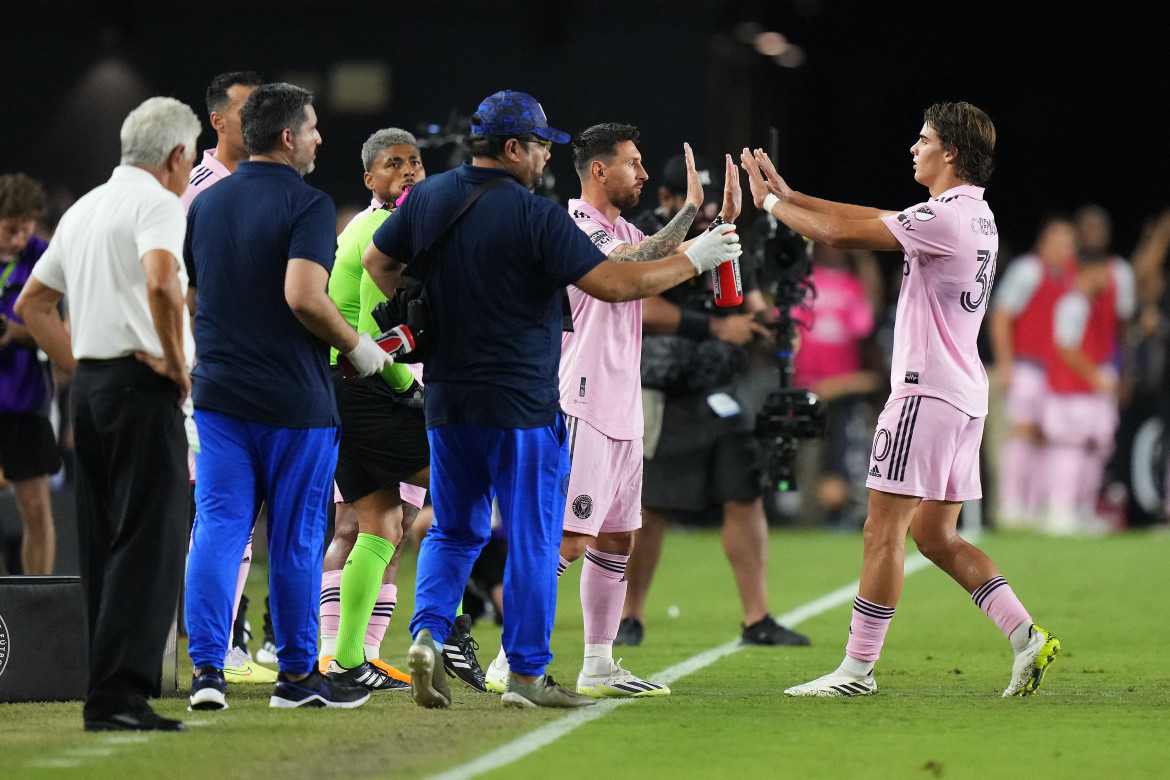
point(514, 113)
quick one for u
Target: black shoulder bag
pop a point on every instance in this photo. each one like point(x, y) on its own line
point(409, 305)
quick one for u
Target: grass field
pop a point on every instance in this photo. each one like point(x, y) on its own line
point(1103, 710)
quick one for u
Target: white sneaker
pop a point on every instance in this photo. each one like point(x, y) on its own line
point(835, 684)
point(1032, 662)
point(267, 654)
point(618, 683)
point(496, 676)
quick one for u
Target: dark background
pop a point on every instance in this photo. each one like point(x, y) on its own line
point(1077, 95)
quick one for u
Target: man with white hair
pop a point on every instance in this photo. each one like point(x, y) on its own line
point(116, 254)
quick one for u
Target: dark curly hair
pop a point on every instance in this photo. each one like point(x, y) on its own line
point(968, 130)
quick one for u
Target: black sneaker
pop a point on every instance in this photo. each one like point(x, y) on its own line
point(459, 659)
point(145, 720)
point(630, 632)
point(768, 632)
point(366, 675)
point(207, 690)
point(317, 690)
point(411, 397)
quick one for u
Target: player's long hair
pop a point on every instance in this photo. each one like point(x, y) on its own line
point(969, 130)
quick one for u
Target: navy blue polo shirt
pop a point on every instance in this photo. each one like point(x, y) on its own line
point(254, 358)
point(495, 290)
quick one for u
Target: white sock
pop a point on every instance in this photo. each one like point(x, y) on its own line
point(855, 668)
point(598, 659)
point(328, 646)
point(501, 661)
point(372, 652)
point(1020, 635)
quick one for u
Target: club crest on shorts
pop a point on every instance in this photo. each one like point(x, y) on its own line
point(583, 506)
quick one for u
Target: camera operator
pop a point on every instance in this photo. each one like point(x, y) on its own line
point(699, 445)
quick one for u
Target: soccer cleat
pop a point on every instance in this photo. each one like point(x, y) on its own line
point(207, 691)
point(428, 681)
point(459, 655)
point(238, 669)
point(767, 631)
point(367, 676)
point(496, 677)
point(1030, 665)
point(835, 684)
point(618, 683)
point(542, 692)
point(317, 690)
point(392, 671)
point(630, 632)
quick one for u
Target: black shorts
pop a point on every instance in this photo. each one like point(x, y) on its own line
point(728, 470)
point(383, 442)
point(28, 446)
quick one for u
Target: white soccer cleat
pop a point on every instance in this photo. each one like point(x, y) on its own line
point(618, 683)
point(835, 684)
point(496, 676)
point(1030, 664)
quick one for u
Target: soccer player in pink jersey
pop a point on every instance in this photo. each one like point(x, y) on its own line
point(925, 458)
point(1021, 337)
point(226, 95)
point(601, 392)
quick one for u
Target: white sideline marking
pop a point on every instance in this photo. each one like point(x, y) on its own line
point(535, 740)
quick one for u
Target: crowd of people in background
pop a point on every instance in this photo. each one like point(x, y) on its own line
point(1075, 342)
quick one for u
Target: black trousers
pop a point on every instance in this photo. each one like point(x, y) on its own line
point(131, 454)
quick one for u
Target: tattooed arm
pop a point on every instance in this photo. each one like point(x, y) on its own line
point(662, 244)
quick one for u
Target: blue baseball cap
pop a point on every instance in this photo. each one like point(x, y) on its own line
point(514, 113)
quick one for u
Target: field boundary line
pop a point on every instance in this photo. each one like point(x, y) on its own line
point(551, 732)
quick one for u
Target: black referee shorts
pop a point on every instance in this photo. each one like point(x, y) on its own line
point(383, 442)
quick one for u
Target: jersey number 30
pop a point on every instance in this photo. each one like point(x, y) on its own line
point(986, 258)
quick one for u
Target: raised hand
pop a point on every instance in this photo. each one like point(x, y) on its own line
point(732, 192)
point(776, 184)
point(694, 183)
point(756, 182)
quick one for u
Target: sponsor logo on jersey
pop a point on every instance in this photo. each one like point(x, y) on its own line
point(905, 222)
point(924, 214)
point(579, 214)
point(582, 506)
point(912, 377)
point(581, 392)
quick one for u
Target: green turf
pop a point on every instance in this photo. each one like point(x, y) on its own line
point(1103, 709)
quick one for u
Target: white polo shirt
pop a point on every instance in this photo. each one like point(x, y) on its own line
point(95, 258)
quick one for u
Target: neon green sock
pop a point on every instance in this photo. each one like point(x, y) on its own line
point(397, 376)
point(360, 580)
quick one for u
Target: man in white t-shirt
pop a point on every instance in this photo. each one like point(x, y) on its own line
point(925, 458)
point(116, 254)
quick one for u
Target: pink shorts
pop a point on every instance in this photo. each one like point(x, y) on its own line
point(1080, 419)
point(1026, 393)
point(604, 491)
point(925, 447)
point(411, 494)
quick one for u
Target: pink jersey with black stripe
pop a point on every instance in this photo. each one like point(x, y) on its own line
point(601, 381)
point(203, 175)
point(951, 244)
